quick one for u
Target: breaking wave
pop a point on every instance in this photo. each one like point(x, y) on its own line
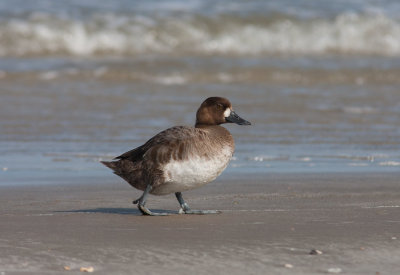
point(117, 34)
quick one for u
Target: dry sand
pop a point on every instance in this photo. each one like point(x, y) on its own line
point(268, 225)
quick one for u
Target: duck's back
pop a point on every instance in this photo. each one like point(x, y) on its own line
point(177, 159)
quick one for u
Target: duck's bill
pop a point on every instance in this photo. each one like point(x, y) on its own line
point(234, 118)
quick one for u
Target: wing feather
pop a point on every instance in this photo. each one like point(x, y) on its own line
point(176, 142)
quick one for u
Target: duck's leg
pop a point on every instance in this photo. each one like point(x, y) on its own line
point(142, 201)
point(186, 209)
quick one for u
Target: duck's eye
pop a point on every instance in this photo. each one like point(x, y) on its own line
point(219, 106)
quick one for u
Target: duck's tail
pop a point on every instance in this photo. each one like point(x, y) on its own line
point(128, 171)
point(120, 167)
point(111, 164)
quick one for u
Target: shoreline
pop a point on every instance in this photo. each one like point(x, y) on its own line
point(105, 176)
point(265, 224)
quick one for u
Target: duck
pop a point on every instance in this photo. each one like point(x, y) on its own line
point(181, 158)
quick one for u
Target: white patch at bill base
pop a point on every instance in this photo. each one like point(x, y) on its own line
point(227, 112)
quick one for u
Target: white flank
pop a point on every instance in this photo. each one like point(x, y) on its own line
point(193, 173)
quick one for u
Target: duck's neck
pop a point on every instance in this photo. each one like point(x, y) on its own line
point(204, 125)
point(200, 125)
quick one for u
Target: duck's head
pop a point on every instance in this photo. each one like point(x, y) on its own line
point(217, 110)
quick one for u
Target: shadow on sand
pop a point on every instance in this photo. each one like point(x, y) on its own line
point(119, 211)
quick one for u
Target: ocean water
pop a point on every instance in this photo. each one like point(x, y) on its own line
point(83, 81)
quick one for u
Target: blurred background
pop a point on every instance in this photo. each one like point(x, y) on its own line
point(82, 81)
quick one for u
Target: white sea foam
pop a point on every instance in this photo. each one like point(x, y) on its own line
point(305, 159)
point(389, 163)
point(383, 206)
point(49, 75)
point(174, 79)
point(359, 110)
point(43, 34)
point(268, 158)
point(358, 164)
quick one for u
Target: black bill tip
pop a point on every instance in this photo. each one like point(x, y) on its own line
point(235, 118)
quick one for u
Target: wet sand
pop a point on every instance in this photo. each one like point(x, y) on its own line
point(266, 223)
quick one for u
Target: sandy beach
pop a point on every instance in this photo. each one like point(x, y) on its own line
point(268, 225)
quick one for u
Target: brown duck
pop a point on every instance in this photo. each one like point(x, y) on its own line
point(181, 158)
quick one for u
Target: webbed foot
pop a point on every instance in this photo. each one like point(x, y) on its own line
point(142, 201)
point(147, 212)
point(185, 209)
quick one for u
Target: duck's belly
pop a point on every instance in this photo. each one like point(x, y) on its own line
point(189, 174)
